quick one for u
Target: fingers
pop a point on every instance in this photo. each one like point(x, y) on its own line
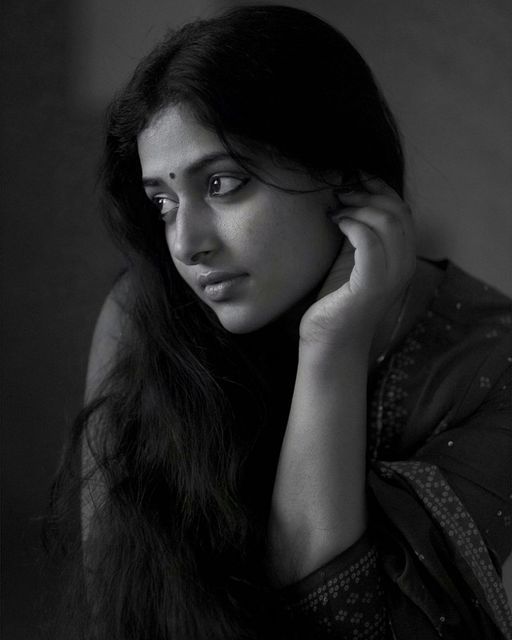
point(394, 232)
point(374, 184)
point(387, 216)
point(391, 203)
point(370, 261)
point(377, 193)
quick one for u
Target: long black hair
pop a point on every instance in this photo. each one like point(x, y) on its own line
point(185, 432)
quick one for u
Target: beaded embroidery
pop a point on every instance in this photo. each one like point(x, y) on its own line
point(353, 597)
point(339, 603)
point(388, 415)
point(446, 509)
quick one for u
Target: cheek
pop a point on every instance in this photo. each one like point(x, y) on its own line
point(296, 250)
point(255, 236)
point(304, 234)
point(167, 233)
point(266, 241)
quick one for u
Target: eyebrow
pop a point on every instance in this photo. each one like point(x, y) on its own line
point(197, 166)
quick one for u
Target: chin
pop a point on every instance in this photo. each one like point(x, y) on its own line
point(240, 327)
point(240, 321)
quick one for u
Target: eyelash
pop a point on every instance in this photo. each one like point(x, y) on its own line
point(155, 200)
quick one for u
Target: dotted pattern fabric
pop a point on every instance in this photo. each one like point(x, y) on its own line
point(388, 407)
point(344, 599)
point(462, 534)
point(348, 601)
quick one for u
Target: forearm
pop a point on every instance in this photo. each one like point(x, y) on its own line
point(318, 504)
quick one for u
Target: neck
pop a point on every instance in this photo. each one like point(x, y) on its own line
point(287, 326)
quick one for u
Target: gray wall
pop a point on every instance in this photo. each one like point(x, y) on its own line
point(446, 68)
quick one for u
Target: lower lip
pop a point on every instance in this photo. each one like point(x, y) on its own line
point(222, 290)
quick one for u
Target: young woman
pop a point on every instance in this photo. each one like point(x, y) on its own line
point(294, 427)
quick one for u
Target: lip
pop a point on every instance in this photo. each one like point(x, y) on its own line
point(220, 285)
point(214, 277)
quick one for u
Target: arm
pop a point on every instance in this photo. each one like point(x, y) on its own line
point(318, 506)
point(440, 520)
point(319, 495)
point(104, 347)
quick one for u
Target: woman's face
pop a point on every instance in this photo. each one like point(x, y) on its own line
point(250, 251)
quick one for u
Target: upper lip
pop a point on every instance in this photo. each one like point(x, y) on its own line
point(214, 277)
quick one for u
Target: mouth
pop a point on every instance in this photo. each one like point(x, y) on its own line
point(220, 285)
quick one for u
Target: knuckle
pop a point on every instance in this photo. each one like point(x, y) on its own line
point(391, 220)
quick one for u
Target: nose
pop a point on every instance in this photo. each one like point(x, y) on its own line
point(193, 236)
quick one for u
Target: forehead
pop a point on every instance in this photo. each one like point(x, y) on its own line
point(174, 140)
point(174, 137)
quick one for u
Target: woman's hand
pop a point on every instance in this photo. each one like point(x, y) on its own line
point(371, 271)
point(319, 500)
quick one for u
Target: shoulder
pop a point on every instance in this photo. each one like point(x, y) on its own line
point(109, 330)
point(467, 319)
point(455, 361)
point(471, 302)
point(471, 326)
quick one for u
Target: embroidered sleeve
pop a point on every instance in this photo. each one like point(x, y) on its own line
point(440, 528)
point(342, 599)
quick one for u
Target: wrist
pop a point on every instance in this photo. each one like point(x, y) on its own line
point(343, 348)
point(353, 331)
point(326, 364)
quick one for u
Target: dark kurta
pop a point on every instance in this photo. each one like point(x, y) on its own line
point(439, 485)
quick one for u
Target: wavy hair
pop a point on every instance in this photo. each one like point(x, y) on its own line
point(186, 430)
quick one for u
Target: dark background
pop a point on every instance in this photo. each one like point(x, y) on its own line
point(446, 71)
point(57, 265)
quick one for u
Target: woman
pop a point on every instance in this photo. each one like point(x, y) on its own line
point(294, 428)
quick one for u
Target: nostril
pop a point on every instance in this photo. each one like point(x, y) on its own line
point(197, 256)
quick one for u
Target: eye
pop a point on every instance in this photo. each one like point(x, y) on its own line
point(224, 185)
point(164, 204)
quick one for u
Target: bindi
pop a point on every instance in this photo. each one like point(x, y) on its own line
point(172, 175)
